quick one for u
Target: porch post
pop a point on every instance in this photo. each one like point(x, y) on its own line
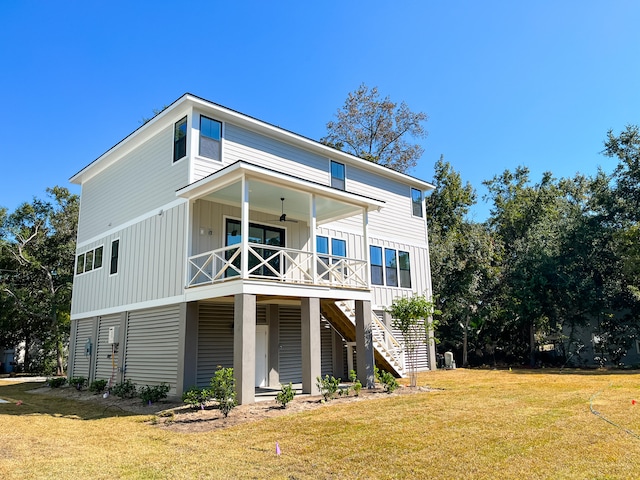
point(273, 315)
point(311, 356)
point(312, 238)
point(244, 229)
point(244, 347)
point(365, 245)
point(364, 344)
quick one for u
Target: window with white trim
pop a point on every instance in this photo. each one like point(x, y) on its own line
point(89, 260)
point(416, 202)
point(396, 268)
point(377, 272)
point(115, 249)
point(337, 175)
point(210, 138)
point(180, 139)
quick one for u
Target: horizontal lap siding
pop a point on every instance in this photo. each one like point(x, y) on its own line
point(152, 257)
point(143, 180)
point(82, 362)
point(151, 355)
point(215, 340)
point(326, 349)
point(106, 362)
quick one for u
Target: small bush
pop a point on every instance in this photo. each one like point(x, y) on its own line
point(196, 397)
point(328, 387)
point(126, 389)
point(98, 386)
point(285, 395)
point(154, 393)
point(78, 382)
point(223, 389)
point(357, 386)
point(56, 382)
point(388, 381)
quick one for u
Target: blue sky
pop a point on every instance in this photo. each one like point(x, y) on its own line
point(504, 83)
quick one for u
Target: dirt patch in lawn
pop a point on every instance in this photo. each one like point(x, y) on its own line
point(176, 416)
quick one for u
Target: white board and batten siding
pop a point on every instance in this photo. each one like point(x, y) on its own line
point(143, 180)
point(151, 263)
point(83, 331)
point(151, 346)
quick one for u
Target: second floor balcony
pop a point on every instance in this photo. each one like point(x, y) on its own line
point(250, 223)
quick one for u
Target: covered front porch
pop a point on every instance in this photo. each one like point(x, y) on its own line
point(249, 223)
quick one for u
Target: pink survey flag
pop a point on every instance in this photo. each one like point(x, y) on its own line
point(633, 402)
point(278, 452)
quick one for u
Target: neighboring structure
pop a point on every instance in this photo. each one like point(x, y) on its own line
point(209, 238)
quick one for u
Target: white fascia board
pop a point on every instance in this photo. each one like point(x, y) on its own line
point(235, 171)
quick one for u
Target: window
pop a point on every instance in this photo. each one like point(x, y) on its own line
point(416, 202)
point(338, 248)
point(337, 175)
point(259, 234)
point(405, 269)
point(115, 247)
point(180, 139)
point(375, 254)
point(210, 137)
point(391, 267)
point(89, 260)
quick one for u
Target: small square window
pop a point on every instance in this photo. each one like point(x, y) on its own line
point(416, 202)
point(338, 247)
point(210, 137)
point(180, 139)
point(337, 175)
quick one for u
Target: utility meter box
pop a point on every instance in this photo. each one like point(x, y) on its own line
point(114, 335)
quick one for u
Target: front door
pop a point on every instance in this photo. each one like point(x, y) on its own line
point(262, 351)
point(258, 234)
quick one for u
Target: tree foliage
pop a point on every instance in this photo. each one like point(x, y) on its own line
point(377, 129)
point(38, 251)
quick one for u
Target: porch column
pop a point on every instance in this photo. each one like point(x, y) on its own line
point(310, 345)
point(312, 238)
point(364, 344)
point(365, 246)
point(244, 229)
point(273, 316)
point(244, 347)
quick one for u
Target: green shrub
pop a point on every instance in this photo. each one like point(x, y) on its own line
point(285, 395)
point(152, 394)
point(196, 397)
point(98, 386)
point(388, 381)
point(223, 389)
point(56, 382)
point(357, 386)
point(328, 387)
point(78, 382)
point(126, 389)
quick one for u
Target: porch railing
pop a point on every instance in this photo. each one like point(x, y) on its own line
point(279, 264)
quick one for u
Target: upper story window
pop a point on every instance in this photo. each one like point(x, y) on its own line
point(115, 247)
point(337, 175)
point(89, 260)
point(416, 202)
point(210, 138)
point(180, 139)
point(390, 267)
point(375, 257)
point(405, 269)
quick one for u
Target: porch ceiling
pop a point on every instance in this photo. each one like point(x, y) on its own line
point(266, 188)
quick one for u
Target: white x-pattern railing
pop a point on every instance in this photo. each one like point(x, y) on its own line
point(273, 263)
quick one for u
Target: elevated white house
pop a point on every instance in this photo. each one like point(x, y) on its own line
point(209, 238)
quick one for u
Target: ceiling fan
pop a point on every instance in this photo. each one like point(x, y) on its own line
point(283, 217)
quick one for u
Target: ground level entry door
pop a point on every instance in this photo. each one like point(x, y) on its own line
point(262, 345)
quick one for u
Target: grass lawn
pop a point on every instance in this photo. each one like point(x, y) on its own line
point(478, 424)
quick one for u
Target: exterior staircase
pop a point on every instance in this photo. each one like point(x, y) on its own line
point(388, 351)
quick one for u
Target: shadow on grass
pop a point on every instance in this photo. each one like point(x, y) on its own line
point(23, 401)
